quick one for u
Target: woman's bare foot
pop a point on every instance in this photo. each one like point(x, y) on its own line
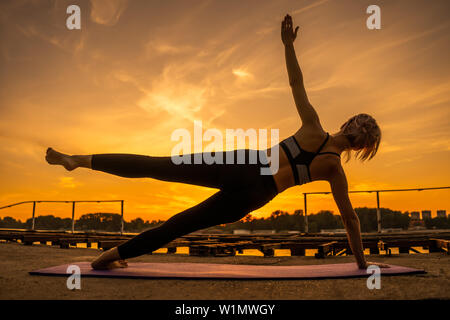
point(111, 265)
point(109, 260)
point(55, 157)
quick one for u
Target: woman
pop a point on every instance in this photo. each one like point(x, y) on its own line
point(242, 187)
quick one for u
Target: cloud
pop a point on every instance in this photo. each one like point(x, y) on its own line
point(309, 7)
point(50, 31)
point(241, 73)
point(68, 182)
point(166, 48)
point(170, 93)
point(178, 99)
point(107, 12)
point(387, 147)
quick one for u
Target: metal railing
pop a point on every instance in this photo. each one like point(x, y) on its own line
point(305, 194)
point(366, 191)
point(73, 209)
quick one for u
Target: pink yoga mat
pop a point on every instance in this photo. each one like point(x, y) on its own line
point(225, 271)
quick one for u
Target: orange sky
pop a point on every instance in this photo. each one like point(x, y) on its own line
point(138, 70)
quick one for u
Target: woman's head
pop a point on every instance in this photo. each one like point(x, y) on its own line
point(364, 135)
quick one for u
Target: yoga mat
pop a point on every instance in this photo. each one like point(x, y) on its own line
point(225, 271)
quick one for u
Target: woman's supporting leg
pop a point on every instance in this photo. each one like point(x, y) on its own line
point(211, 212)
point(109, 259)
point(222, 207)
point(225, 206)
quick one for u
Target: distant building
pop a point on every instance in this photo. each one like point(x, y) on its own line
point(426, 214)
point(415, 215)
point(441, 213)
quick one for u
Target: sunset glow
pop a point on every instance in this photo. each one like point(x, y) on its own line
point(138, 70)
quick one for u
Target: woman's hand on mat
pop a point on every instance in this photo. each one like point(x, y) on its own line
point(288, 34)
point(381, 265)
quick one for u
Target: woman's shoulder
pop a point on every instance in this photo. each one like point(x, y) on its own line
point(312, 131)
point(309, 137)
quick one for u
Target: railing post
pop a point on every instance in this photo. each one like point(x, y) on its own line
point(73, 216)
point(32, 219)
point(121, 217)
point(306, 214)
point(378, 212)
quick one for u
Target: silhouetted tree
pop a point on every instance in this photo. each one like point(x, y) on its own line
point(324, 219)
point(389, 219)
point(99, 221)
point(49, 222)
point(10, 222)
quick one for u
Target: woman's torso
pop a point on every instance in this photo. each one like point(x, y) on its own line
point(320, 167)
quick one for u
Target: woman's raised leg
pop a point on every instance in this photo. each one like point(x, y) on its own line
point(141, 166)
point(161, 168)
point(213, 175)
point(69, 162)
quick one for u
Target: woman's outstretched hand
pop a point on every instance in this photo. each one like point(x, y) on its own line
point(288, 34)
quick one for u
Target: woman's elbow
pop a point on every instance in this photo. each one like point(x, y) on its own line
point(350, 219)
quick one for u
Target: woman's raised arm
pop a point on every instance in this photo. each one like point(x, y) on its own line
point(305, 109)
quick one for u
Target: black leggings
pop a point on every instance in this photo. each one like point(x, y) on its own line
point(242, 190)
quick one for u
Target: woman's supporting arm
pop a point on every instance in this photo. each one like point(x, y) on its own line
point(353, 228)
point(339, 188)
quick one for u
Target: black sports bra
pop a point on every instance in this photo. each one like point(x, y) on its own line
point(300, 159)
